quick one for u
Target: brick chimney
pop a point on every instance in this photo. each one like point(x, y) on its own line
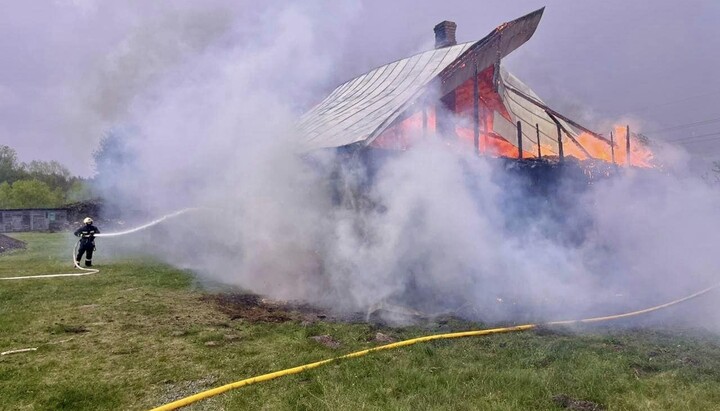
point(445, 34)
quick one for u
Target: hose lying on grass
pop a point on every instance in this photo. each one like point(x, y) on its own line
point(295, 370)
point(86, 271)
point(89, 271)
point(21, 350)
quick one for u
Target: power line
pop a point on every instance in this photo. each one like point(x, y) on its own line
point(681, 126)
point(686, 141)
point(692, 137)
point(671, 102)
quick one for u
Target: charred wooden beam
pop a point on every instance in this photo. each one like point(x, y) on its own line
point(444, 122)
point(424, 122)
point(627, 144)
point(520, 136)
point(577, 143)
point(496, 77)
point(559, 137)
point(567, 133)
point(486, 52)
point(486, 130)
point(555, 113)
point(476, 112)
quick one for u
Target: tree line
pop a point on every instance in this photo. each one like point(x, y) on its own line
point(37, 184)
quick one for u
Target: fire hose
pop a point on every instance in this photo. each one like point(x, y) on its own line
point(477, 333)
point(295, 370)
point(86, 271)
point(89, 271)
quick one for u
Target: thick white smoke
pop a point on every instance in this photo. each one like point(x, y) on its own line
point(212, 125)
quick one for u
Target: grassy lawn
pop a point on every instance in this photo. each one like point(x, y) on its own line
point(141, 334)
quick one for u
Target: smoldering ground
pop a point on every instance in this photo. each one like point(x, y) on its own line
point(434, 228)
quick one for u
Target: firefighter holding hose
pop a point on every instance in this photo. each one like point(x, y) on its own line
point(87, 241)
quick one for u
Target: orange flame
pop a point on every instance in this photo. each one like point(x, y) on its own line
point(640, 154)
point(409, 131)
point(490, 144)
point(403, 134)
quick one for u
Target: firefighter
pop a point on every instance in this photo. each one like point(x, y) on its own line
point(87, 241)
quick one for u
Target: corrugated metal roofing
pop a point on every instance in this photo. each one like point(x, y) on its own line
point(362, 108)
point(356, 109)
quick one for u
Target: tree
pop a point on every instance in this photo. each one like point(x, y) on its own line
point(5, 195)
point(52, 173)
point(38, 183)
point(29, 194)
point(114, 158)
point(10, 168)
point(78, 191)
point(112, 154)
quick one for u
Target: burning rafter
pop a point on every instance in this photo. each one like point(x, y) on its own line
point(362, 108)
point(556, 114)
point(459, 92)
point(490, 50)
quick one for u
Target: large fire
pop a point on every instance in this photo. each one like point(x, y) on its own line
point(402, 136)
point(455, 122)
point(640, 154)
point(491, 144)
point(405, 133)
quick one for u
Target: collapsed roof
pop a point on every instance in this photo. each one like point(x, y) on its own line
point(359, 111)
point(362, 108)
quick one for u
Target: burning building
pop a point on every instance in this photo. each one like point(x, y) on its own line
point(460, 92)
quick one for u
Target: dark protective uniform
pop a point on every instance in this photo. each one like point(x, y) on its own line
point(87, 243)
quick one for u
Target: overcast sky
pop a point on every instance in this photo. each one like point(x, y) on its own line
point(655, 63)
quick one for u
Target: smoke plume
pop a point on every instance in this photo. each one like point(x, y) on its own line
point(208, 102)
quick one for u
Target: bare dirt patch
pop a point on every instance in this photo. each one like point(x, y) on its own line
point(326, 340)
point(383, 338)
point(254, 308)
point(9, 243)
point(60, 328)
point(573, 404)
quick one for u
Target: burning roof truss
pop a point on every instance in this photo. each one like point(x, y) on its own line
point(393, 104)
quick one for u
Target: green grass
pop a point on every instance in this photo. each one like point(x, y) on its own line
point(139, 335)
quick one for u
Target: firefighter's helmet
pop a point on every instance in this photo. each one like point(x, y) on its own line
point(88, 220)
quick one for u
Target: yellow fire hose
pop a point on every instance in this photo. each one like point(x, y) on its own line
point(295, 370)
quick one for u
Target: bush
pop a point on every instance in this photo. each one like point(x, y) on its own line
point(38, 183)
point(29, 194)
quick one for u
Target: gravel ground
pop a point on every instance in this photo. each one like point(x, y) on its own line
point(9, 243)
